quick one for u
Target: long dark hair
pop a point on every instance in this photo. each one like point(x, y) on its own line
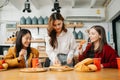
point(19, 44)
point(51, 31)
point(101, 32)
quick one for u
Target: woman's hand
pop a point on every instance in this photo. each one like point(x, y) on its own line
point(21, 54)
point(56, 62)
point(69, 61)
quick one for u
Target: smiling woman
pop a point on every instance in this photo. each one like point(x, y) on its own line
point(21, 55)
point(98, 48)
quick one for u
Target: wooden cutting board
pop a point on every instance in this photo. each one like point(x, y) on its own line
point(31, 70)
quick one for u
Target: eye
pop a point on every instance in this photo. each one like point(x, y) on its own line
point(59, 24)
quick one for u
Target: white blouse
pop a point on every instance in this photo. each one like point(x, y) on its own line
point(66, 45)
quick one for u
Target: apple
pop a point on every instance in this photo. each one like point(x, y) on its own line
point(2, 61)
point(5, 65)
point(1, 67)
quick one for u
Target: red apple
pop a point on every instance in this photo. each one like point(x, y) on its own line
point(2, 61)
point(1, 67)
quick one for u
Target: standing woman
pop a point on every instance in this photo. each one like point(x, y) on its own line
point(21, 55)
point(98, 48)
point(60, 43)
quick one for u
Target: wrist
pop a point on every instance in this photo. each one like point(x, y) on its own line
point(18, 59)
point(101, 66)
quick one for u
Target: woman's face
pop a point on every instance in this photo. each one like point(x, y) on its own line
point(93, 35)
point(26, 40)
point(57, 25)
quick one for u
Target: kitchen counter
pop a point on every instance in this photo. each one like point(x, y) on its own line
point(104, 74)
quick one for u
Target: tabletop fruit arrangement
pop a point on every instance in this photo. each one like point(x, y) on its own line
point(3, 65)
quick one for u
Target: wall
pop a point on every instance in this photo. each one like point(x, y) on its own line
point(118, 36)
point(11, 14)
point(113, 9)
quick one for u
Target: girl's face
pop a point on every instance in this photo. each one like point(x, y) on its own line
point(57, 25)
point(26, 40)
point(93, 35)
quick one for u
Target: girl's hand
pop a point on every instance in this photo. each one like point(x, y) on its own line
point(101, 66)
point(39, 65)
point(79, 47)
point(80, 44)
point(21, 54)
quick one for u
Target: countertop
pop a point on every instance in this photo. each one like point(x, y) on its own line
point(104, 74)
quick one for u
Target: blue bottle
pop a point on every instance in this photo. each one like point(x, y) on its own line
point(22, 20)
point(28, 20)
point(40, 20)
point(34, 20)
point(75, 34)
point(46, 20)
point(80, 35)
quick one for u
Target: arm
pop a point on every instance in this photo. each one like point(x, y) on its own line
point(110, 58)
point(72, 47)
point(10, 58)
point(84, 54)
point(49, 50)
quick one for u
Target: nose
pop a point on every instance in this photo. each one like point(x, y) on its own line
point(57, 26)
point(29, 40)
point(89, 35)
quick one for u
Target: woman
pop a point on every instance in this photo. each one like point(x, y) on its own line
point(60, 43)
point(21, 55)
point(98, 48)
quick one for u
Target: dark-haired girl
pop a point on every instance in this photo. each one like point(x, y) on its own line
point(21, 55)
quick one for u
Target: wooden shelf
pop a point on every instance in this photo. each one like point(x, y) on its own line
point(74, 25)
point(32, 26)
point(32, 41)
point(42, 54)
point(37, 41)
point(1, 56)
point(9, 42)
point(45, 26)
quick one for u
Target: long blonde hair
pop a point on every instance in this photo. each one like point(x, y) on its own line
point(51, 31)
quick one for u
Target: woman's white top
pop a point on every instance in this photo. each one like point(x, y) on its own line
point(66, 45)
point(25, 58)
